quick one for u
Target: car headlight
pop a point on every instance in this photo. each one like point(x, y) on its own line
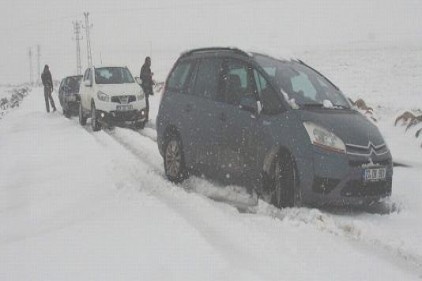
point(103, 97)
point(323, 138)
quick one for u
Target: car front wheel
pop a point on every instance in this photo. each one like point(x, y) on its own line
point(96, 126)
point(174, 164)
point(281, 185)
point(82, 118)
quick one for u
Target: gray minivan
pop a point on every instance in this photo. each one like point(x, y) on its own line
point(277, 127)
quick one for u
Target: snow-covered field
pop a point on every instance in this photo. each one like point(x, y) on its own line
point(78, 205)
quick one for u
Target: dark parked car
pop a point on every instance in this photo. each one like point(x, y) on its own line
point(69, 95)
point(277, 127)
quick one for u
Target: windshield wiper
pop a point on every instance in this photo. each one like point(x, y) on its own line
point(321, 105)
point(341, 106)
point(313, 104)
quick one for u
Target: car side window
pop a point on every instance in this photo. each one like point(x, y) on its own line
point(180, 75)
point(207, 78)
point(237, 81)
point(86, 74)
point(89, 77)
point(269, 99)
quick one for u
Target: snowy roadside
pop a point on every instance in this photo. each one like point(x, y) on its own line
point(81, 205)
point(86, 206)
point(11, 97)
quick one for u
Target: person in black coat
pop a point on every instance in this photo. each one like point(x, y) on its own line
point(147, 82)
point(47, 81)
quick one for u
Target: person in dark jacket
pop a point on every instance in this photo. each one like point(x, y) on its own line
point(47, 81)
point(147, 82)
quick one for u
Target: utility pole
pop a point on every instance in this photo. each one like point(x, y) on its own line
point(78, 37)
point(88, 39)
point(30, 65)
point(38, 61)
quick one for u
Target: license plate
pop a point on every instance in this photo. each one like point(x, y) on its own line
point(71, 98)
point(125, 107)
point(374, 174)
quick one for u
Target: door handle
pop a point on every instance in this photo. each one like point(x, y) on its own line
point(188, 107)
point(223, 117)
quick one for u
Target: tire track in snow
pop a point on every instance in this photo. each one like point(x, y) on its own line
point(180, 201)
point(353, 231)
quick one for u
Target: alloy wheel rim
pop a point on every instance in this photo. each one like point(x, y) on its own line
point(173, 159)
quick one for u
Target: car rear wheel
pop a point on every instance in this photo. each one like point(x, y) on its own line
point(281, 185)
point(140, 125)
point(96, 126)
point(174, 163)
point(82, 118)
point(66, 112)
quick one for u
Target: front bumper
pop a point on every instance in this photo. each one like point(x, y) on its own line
point(122, 118)
point(338, 179)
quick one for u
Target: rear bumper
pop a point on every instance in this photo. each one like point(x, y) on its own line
point(73, 106)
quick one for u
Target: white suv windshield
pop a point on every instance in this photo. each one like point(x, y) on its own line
point(301, 83)
point(113, 75)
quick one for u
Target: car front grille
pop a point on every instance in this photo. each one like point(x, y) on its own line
point(368, 150)
point(366, 161)
point(125, 99)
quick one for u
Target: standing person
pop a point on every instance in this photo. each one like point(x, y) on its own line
point(147, 83)
point(47, 81)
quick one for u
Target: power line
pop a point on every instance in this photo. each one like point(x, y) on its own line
point(88, 39)
point(78, 37)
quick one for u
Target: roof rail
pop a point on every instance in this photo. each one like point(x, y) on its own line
point(210, 49)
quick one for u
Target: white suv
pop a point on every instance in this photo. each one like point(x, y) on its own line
point(111, 96)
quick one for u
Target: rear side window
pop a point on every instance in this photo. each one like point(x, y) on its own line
point(179, 76)
point(207, 78)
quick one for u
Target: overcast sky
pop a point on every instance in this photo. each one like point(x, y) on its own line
point(126, 31)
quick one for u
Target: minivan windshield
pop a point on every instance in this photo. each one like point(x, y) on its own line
point(302, 84)
point(113, 75)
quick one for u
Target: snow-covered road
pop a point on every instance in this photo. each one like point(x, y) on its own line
point(79, 205)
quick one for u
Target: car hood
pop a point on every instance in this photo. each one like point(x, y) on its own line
point(120, 89)
point(351, 126)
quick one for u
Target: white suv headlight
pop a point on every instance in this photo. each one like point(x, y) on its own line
point(324, 139)
point(103, 97)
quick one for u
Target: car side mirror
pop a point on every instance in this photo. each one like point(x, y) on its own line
point(87, 83)
point(249, 104)
point(138, 80)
